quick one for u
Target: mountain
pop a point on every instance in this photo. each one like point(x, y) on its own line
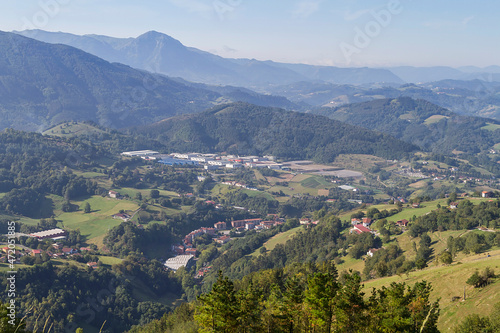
point(469, 97)
point(421, 123)
point(437, 73)
point(362, 75)
point(160, 53)
point(44, 84)
point(242, 128)
point(426, 74)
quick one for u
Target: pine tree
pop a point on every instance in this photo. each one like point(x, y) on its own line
point(320, 296)
point(219, 309)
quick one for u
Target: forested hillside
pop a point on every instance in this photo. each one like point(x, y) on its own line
point(242, 128)
point(303, 298)
point(421, 123)
point(44, 84)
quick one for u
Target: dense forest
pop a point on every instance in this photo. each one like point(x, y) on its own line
point(247, 129)
point(66, 296)
point(32, 166)
point(421, 123)
point(303, 298)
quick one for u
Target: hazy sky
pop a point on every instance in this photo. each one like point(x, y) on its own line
point(329, 32)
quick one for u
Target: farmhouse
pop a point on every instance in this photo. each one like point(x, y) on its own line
point(92, 264)
point(486, 194)
point(371, 252)
point(223, 239)
point(113, 194)
point(402, 223)
point(367, 221)
point(359, 229)
point(124, 217)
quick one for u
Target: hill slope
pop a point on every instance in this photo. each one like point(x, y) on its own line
point(160, 53)
point(43, 84)
point(421, 123)
point(248, 129)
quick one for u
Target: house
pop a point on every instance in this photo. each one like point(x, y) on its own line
point(415, 205)
point(402, 223)
point(249, 225)
point(453, 205)
point(304, 221)
point(367, 221)
point(178, 249)
point(190, 251)
point(68, 250)
point(57, 246)
point(355, 221)
point(267, 224)
point(486, 194)
point(113, 194)
point(220, 226)
point(5, 249)
point(122, 216)
point(88, 249)
point(36, 253)
point(223, 239)
point(371, 252)
point(359, 229)
point(92, 264)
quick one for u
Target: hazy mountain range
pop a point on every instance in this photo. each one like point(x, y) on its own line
point(160, 53)
point(44, 84)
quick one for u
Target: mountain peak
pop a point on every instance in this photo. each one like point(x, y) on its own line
point(155, 35)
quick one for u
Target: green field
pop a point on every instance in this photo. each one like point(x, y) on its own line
point(449, 281)
point(131, 192)
point(72, 129)
point(280, 238)
point(434, 119)
point(425, 208)
point(491, 127)
point(316, 182)
point(105, 260)
point(99, 221)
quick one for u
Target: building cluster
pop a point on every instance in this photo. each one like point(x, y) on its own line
point(237, 184)
point(189, 238)
point(361, 225)
point(208, 161)
point(57, 251)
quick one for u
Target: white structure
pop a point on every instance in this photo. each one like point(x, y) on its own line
point(186, 156)
point(234, 165)
point(52, 233)
point(140, 153)
point(217, 162)
point(180, 261)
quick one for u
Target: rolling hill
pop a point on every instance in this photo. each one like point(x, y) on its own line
point(421, 123)
point(242, 128)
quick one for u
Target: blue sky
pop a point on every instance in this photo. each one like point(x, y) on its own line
point(328, 32)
